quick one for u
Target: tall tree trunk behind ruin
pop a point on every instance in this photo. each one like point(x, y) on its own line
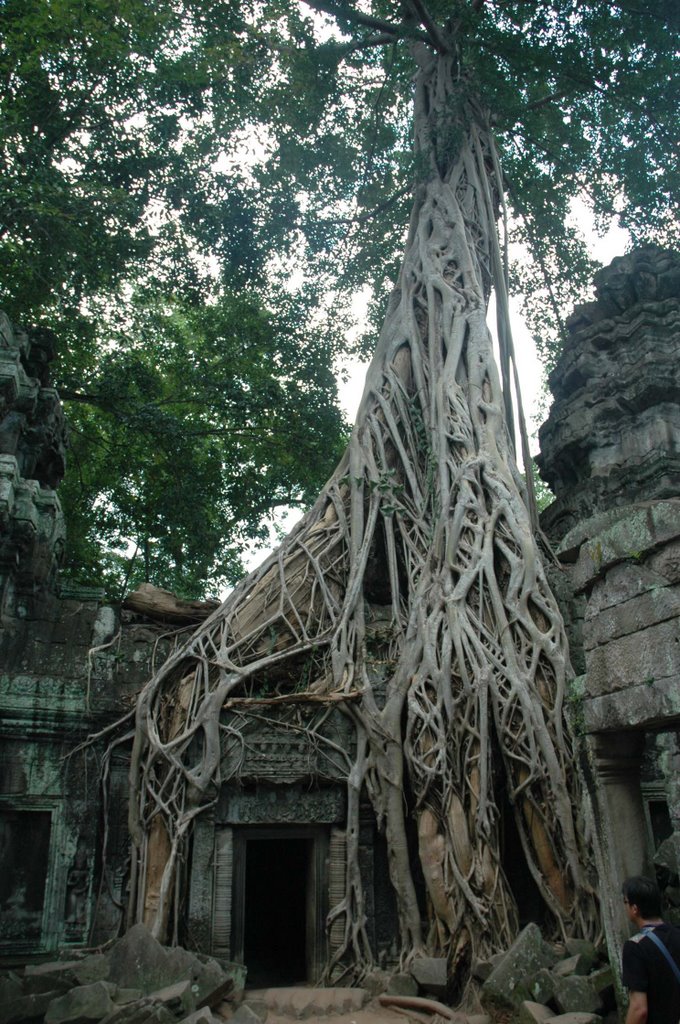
point(426, 511)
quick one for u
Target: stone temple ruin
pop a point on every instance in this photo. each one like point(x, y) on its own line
point(70, 665)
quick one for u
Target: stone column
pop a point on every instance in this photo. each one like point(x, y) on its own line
point(617, 758)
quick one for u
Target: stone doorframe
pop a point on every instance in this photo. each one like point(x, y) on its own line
point(316, 895)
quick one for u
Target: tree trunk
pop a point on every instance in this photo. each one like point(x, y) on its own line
point(426, 515)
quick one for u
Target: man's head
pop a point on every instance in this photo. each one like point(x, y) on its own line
point(642, 898)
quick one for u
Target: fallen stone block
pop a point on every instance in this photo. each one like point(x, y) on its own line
point(533, 1013)
point(575, 1018)
point(667, 857)
point(576, 994)
point(576, 964)
point(51, 967)
point(137, 960)
point(93, 968)
point(27, 1007)
point(584, 948)
point(142, 1011)
point(178, 998)
point(402, 985)
point(157, 1015)
point(127, 995)
point(506, 987)
point(482, 969)
point(541, 986)
point(56, 976)
point(10, 989)
point(82, 1004)
point(200, 1016)
point(376, 982)
point(430, 973)
point(213, 996)
point(601, 980)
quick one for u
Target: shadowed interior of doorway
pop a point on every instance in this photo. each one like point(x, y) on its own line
point(276, 899)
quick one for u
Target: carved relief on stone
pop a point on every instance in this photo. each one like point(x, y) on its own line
point(77, 885)
point(278, 747)
point(279, 805)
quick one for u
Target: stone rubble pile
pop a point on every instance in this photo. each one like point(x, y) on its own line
point(533, 983)
point(137, 981)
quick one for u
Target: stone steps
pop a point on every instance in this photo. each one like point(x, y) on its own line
point(304, 1003)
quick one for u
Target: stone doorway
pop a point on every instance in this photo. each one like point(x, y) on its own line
point(280, 903)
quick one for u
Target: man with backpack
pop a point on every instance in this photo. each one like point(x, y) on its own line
point(651, 959)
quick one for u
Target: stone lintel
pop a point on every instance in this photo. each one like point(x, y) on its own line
point(644, 657)
point(646, 706)
point(282, 805)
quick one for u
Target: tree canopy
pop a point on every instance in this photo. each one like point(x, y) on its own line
point(188, 432)
point(195, 154)
point(197, 379)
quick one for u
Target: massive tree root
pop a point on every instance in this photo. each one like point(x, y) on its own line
point(425, 515)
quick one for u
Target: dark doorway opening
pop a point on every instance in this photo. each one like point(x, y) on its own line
point(530, 903)
point(276, 917)
point(24, 862)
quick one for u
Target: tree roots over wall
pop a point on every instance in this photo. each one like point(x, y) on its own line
point(426, 515)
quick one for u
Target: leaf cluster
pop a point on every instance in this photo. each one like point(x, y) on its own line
point(199, 395)
point(187, 432)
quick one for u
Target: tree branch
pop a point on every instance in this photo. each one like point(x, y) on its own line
point(363, 217)
point(430, 25)
point(346, 13)
point(551, 98)
point(381, 39)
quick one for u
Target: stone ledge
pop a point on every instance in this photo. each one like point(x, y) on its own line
point(631, 616)
point(641, 657)
point(636, 530)
point(643, 706)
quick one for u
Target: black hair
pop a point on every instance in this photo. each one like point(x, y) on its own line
point(644, 893)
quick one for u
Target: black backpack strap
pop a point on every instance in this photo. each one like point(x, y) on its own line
point(651, 934)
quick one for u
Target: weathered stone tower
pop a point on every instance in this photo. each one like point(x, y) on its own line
point(66, 670)
point(610, 450)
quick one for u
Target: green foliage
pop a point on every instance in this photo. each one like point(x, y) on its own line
point(584, 97)
point(187, 429)
point(544, 496)
point(111, 118)
point(201, 397)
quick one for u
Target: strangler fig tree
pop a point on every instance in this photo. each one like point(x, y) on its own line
point(425, 523)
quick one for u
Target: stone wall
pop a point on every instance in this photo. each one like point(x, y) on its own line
point(32, 449)
point(610, 450)
point(70, 666)
point(69, 669)
point(613, 434)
